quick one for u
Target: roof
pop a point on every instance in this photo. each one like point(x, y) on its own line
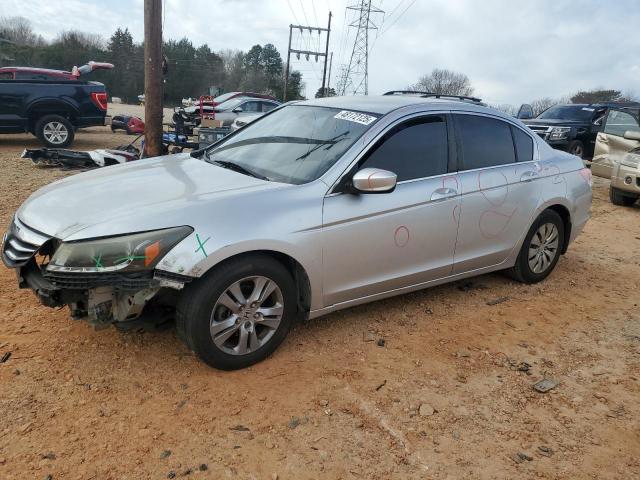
point(383, 104)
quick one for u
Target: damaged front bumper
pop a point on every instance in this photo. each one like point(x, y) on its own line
point(101, 298)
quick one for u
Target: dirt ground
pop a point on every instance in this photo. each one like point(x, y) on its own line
point(446, 396)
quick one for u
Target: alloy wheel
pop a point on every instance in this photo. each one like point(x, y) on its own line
point(543, 247)
point(246, 315)
point(55, 133)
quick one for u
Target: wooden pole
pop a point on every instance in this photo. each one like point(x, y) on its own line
point(286, 71)
point(326, 58)
point(153, 78)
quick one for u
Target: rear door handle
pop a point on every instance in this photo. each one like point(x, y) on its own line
point(443, 193)
point(528, 176)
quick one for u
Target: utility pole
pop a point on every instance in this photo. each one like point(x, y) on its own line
point(326, 57)
point(357, 73)
point(329, 77)
point(153, 78)
point(307, 53)
point(286, 73)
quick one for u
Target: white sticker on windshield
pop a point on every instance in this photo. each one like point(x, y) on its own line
point(356, 117)
point(588, 109)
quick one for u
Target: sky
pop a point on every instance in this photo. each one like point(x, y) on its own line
point(513, 51)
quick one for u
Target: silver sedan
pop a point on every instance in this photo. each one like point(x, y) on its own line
point(317, 206)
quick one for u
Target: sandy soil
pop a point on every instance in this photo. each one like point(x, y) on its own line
point(445, 397)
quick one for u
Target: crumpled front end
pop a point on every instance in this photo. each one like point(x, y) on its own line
point(101, 297)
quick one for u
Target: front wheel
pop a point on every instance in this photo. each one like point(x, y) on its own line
point(54, 131)
point(540, 250)
point(238, 313)
point(619, 198)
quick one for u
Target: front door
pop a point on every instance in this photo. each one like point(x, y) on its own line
point(375, 243)
point(611, 146)
point(500, 185)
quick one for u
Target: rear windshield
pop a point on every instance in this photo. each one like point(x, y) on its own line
point(294, 144)
point(568, 112)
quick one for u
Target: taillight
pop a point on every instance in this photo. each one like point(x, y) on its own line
point(100, 100)
point(586, 174)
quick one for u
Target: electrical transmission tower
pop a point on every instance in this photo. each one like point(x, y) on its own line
point(356, 75)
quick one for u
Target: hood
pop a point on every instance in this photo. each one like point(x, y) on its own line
point(142, 195)
point(554, 122)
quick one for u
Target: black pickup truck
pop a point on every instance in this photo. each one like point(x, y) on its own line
point(52, 109)
point(570, 127)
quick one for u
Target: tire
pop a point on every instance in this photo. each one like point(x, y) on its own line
point(523, 271)
point(55, 131)
point(206, 304)
point(576, 148)
point(619, 198)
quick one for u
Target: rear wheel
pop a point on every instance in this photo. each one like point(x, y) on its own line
point(540, 250)
point(239, 313)
point(619, 198)
point(54, 131)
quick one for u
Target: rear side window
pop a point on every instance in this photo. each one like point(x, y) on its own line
point(619, 122)
point(486, 142)
point(268, 106)
point(6, 76)
point(524, 145)
point(414, 149)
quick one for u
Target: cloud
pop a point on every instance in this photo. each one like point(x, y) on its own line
point(512, 51)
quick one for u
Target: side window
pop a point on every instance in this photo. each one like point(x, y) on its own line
point(268, 106)
point(251, 107)
point(6, 76)
point(486, 142)
point(524, 145)
point(414, 149)
point(619, 121)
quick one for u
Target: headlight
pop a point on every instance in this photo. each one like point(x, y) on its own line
point(631, 160)
point(140, 251)
point(558, 133)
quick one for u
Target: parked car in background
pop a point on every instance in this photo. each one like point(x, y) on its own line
point(50, 106)
point(617, 154)
point(571, 127)
point(244, 120)
point(229, 110)
point(321, 205)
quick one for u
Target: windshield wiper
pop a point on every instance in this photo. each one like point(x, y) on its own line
point(238, 168)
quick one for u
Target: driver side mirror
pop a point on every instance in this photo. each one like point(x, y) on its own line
point(525, 112)
point(632, 135)
point(374, 180)
point(237, 110)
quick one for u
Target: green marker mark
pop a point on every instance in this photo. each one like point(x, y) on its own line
point(201, 245)
point(130, 258)
point(98, 260)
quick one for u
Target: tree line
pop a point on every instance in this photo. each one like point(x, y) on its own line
point(191, 70)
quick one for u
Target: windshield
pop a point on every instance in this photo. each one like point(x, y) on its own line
point(224, 97)
point(230, 104)
point(295, 144)
point(568, 112)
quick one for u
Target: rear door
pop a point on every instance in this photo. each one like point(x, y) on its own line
point(375, 243)
point(500, 187)
point(610, 142)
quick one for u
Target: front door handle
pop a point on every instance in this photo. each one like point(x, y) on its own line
point(528, 176)
point(443, 193)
